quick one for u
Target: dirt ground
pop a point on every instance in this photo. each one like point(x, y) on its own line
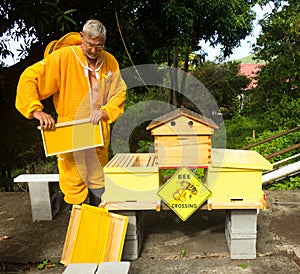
point(25, 245)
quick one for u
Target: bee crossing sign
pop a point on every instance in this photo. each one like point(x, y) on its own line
point(184, 193)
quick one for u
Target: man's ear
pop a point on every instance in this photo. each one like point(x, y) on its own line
point(81, 34)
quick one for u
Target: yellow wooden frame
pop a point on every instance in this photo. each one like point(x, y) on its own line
point(94, 235)
point(71, 136)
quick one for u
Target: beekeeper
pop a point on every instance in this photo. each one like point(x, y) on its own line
point(85, 82)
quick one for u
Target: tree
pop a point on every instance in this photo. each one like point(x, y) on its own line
point(153, 32)
point(276, 98)
point(225, 84)
point(179, 27)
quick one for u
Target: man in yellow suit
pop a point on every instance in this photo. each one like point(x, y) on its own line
point(84, 81)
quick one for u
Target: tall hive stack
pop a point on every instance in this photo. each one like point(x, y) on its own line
point(182, 138)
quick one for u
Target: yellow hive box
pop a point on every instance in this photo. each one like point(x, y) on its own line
point(71, 136)
point(131, 178)
point(235, 179)
point(94, 235)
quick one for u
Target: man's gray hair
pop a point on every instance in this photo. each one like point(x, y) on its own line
point(94, 28)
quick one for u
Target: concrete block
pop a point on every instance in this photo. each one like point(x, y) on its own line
point(41, 207)
point(113, 268)
point(240, 233)
point(135, 221)
point(132, 246)
point(241, 221)
point(241, 246)
point(43, 192)
point(81, 268)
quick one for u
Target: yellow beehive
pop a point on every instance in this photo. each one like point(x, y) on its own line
point(131, 178)
point(182, 138)
point(235, 179)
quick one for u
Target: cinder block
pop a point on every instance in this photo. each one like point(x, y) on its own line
point(132, 246)
point(241, 221)
point(240, 233)
point(44, 200)
point(134, 234)
point(135, 221)
point(241, 248)
point(81, 268)
point(113, 268)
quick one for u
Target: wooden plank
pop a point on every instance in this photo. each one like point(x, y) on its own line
point(122, 159)
point(152, 161)
point(112, 162)
point(116, 237)
point(128, 160)
point(236, 205)
point(132, 161)
point(131, 205)
point(71, 235)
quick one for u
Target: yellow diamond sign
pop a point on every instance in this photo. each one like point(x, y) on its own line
point(184, 193)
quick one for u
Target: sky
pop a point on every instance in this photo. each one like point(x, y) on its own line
point(245, 48)
point(242, 51)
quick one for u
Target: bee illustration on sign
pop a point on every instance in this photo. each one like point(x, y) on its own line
point(185, 187)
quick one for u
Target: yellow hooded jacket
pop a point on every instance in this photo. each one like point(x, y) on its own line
point(64, 74)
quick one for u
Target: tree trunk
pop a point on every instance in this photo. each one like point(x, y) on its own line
point(183, 80)
point(172, 98)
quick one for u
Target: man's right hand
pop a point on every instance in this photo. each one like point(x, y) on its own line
point(46, 120)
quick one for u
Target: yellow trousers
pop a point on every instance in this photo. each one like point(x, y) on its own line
point(80, 171)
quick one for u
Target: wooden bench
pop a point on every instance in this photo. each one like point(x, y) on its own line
point(43, 191)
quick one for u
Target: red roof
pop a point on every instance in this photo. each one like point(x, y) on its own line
point(250, 70)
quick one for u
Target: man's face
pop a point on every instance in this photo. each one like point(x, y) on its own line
point(92, 47)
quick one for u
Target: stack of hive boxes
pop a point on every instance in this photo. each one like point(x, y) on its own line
point(240, 232)
point(182, 138)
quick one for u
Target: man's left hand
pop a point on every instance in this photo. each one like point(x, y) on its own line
point(97, 115)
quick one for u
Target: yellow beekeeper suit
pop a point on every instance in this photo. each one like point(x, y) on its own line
point(64, 74)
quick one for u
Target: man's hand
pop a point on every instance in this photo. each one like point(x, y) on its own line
point(97, 115)
point(46, 120)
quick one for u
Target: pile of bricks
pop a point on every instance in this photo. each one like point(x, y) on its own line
point(240, 232)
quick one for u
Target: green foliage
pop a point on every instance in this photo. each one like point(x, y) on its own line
point(275, 145)
point(275, 101)
point(224, 83)
point(182, 253)
point(285, 184)
point(243, 265)
point(179, 26)
point(240, 128)
point(43, 264)
point(143, 146)
point(168, 173)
